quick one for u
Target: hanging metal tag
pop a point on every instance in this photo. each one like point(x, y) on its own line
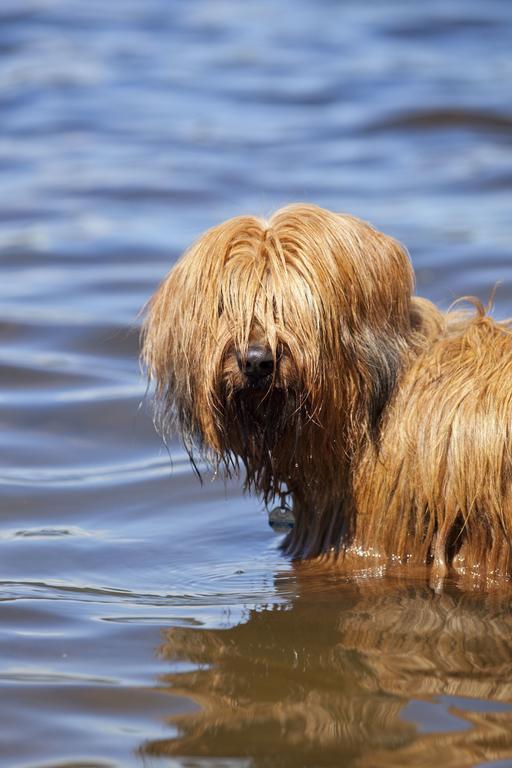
point(281, 518)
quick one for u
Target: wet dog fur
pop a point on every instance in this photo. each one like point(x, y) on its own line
point(386, 421)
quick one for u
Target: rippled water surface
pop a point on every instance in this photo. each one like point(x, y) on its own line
point(146, 619)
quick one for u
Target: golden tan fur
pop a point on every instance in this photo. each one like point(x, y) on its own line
point(386, 421)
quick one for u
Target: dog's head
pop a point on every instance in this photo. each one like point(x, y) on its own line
point(278, 343)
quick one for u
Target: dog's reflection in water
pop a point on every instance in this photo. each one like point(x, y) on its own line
point(339, 676)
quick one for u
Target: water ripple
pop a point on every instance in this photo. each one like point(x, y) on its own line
point(104, 474)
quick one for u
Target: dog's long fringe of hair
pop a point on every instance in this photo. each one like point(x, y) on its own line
point(387, 421)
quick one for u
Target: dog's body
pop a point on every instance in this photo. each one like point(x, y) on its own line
point(295, 347)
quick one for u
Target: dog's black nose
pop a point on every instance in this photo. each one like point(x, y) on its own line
point(257, 363)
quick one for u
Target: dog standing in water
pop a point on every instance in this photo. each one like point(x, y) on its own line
point(295, 348)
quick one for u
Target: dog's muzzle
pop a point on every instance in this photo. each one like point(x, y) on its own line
point(257, 364)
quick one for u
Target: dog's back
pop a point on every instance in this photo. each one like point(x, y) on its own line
point(439, 484)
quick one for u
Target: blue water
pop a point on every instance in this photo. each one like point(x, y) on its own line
point(146, 619)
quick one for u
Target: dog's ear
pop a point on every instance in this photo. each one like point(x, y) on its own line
point(380, 324)
point(382, 278)
point(176, 335)
point(162, 348)
point(161, 332)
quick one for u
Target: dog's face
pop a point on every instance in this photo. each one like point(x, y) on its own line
point(278, 343)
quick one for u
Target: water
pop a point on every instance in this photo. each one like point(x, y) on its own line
point(146, 620)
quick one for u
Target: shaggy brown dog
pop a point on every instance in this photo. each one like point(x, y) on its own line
point(295, 347)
